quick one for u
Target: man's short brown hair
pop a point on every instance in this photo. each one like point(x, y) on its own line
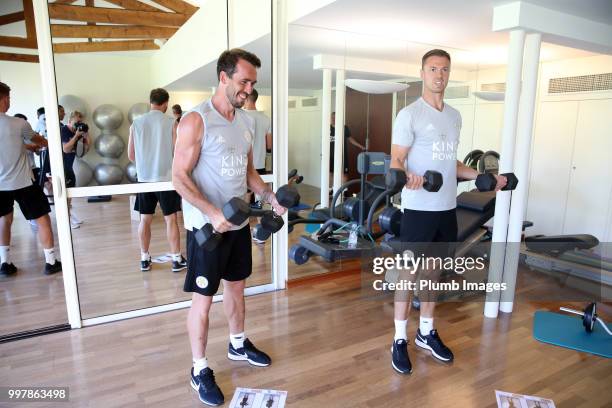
point(228, 59)
point(435, 53)
point(4, 89)
point(159, 96)
point(254, 95)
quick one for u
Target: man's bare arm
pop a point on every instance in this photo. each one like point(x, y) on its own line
point(131, 150)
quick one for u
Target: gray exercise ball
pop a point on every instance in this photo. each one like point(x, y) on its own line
point(137, 110)
point(130, 172)
point(110, 145)
point(84, 173)
point(106, 174)
point(107, 117)
point(73, 103)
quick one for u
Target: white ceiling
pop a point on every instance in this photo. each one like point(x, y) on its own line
point(402, 30)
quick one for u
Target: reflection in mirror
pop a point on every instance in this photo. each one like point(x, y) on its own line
point(30, 272)
point(110, 279)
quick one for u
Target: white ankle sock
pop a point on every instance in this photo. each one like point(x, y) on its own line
point(400, 330)
point(199, 364)
point(237, 340)
point(144, 256)
point(176, 257)
point(4, 253)
point(49, 256)
point(426, 325)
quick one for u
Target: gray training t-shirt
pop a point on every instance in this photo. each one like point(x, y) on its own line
point(220, 173)
point(152, 133)
point(432, 137)
point(262, 126)
point(15, 170)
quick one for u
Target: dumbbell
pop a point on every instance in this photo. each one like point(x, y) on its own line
point(350, 208)
point(390, 220)
point(589, 317)
point(269, 224)
point(487, 182)
point(235, 211)
point(293, 174)
point(395, 180)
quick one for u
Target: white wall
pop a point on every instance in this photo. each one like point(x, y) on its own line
point(104, 78)
point(305, 141)
point(26, 94)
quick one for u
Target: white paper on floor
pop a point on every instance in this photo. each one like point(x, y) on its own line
point(162, 258)
point(254, 398)
point(510, 400)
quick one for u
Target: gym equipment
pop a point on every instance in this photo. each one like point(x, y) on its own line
point(137, 110)
point(471, 160)
point(294, 177)
point(84, 174)
point(487, 182)
point(130, 172)
point(107, 117)
point(73, 103)
point(390, 220)
point(106, 174)
point(352, 207)
point(565, 331)
point(557, 244)
point(109, 145)
point(396, 179)
point(589, 317)
point(207, 237)
point(489, 162)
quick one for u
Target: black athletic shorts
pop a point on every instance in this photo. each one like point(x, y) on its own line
point(70, 178)
point(231, 260)
point(433, 233)
point(169, 201)
point(32, 202)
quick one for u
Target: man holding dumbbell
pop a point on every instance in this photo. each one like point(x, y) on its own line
point(425, 137)
point(213, 163)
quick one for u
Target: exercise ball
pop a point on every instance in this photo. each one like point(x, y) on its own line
point(106, 174)
point(137, 110)
point(110, 145)
point(130, 172)
point(83, 172)
point(73, 103)
point(107, 117)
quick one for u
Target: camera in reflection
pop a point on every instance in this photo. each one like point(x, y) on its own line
point(82, 126)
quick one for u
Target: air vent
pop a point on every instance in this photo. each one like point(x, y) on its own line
point(494, 87)
point(292, 104)
point(308, 102)
point(457, 92)
point(582, 83)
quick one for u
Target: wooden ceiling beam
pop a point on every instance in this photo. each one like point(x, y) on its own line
point(128, 45)
point(28, 11)
point(133, 5)
point(110, 31)
point(116, 16)
point(8, 56)
point(178, 6)
point(17, 42)
point(12, 18)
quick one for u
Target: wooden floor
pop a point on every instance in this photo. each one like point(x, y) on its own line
point(330, 348)
point(107, 262)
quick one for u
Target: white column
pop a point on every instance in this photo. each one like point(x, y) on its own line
point(280, 113)
point(325, 115)
point(339, 125)
point(524, 135)
point(502, 202)
point(47, 73)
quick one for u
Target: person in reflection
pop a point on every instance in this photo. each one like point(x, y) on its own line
point(150, 147)
point(177, 112)
point(263, 138)
point(72, 134)
point(16, 184)
point(213, 163)
point(332, 142)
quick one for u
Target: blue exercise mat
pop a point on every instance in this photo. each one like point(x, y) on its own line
point(300, 207)
point(568, 331)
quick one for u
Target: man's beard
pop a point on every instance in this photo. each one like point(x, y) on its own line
point(233, 98)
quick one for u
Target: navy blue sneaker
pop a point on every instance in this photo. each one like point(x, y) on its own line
point(7, 269)
point(51, 269)
point(145, 265)
point(206, 387)
point(399, 357)
point(433, 343)
point(249, 353)
point(178, 266)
